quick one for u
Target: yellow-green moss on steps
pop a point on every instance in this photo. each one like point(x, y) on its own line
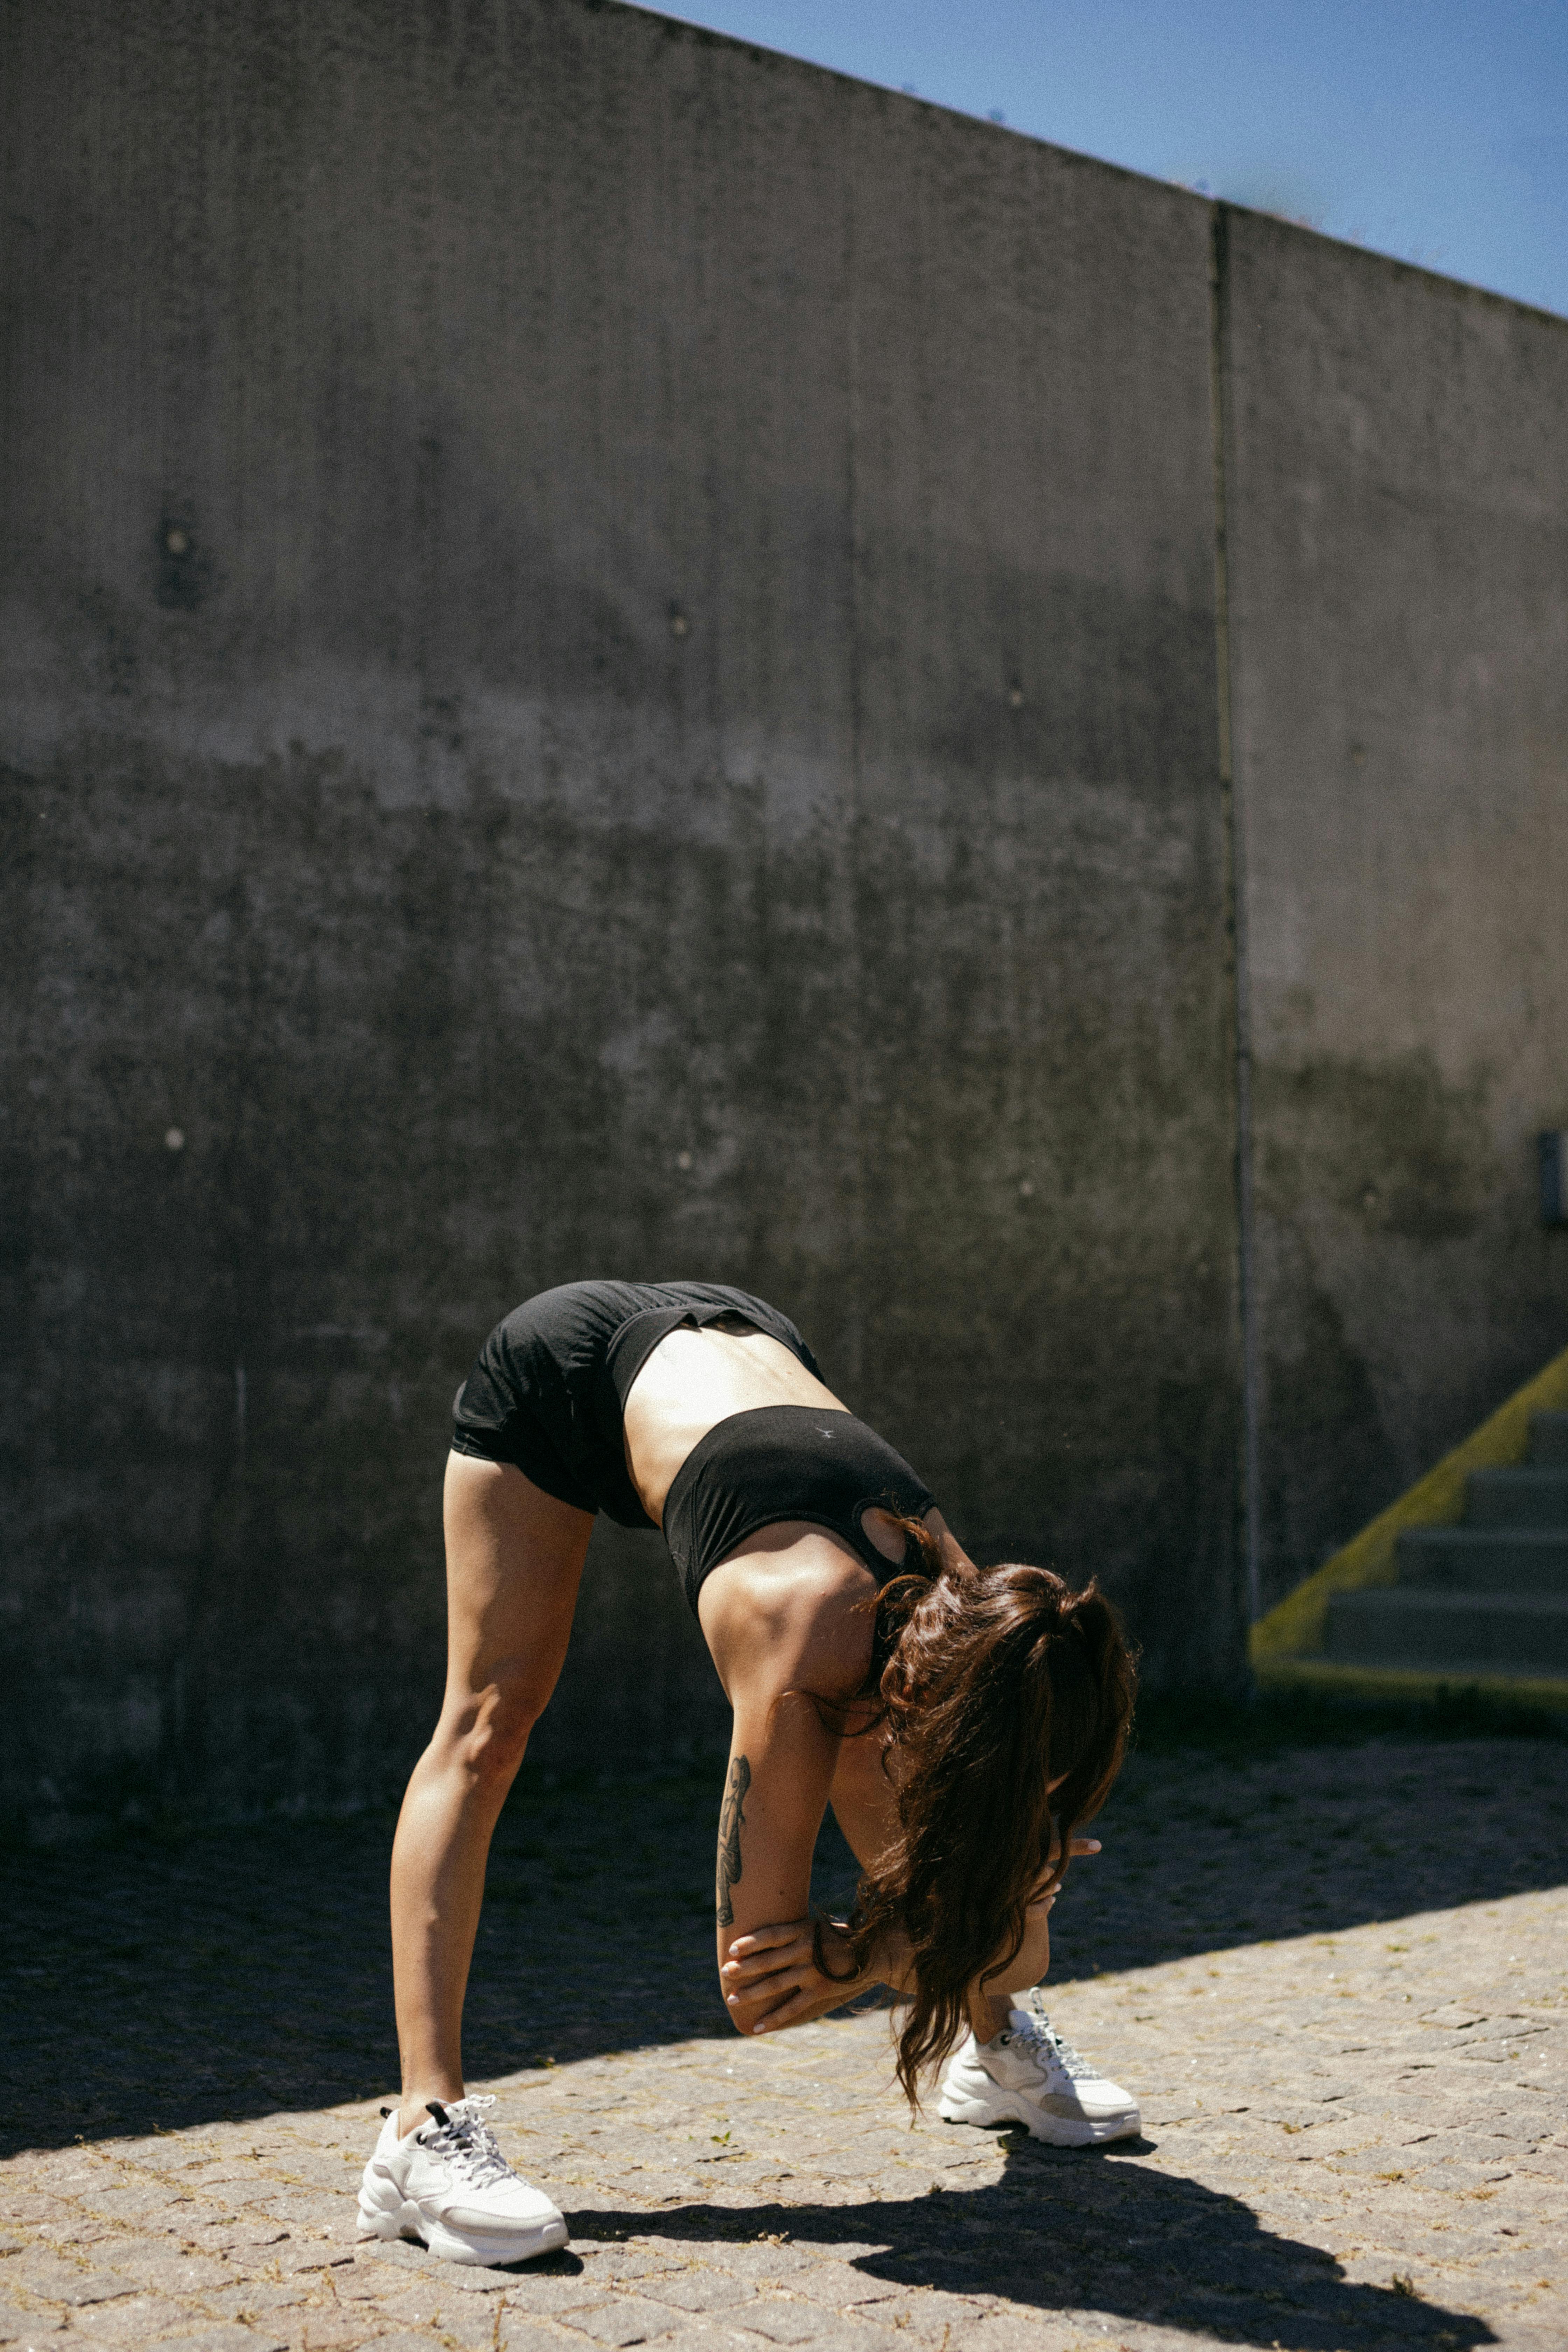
point(1399, 1686)
point(1291, 1634)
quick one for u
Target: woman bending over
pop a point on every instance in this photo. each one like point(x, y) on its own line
point(944, 1710)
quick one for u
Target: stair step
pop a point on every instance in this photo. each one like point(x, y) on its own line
point(1549, 1441)
point(1412, 1680)
point(1485, 1560)
point(1518, 1499)
point(1393, 1625)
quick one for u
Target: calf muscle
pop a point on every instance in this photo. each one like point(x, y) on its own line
point(514, 1557)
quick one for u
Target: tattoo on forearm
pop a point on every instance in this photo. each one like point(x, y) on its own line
point(731, 1820)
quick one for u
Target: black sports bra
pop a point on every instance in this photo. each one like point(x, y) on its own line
point(785, 1461)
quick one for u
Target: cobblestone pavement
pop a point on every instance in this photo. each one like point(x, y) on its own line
point(1338, 1980)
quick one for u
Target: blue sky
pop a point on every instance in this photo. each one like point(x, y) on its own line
point(1433, 130)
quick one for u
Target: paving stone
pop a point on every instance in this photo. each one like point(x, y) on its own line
point(627, 2319)
point(396, 2254)
point(227, 2340)
point(291, 2257)
point(400, 2253)
point(838, 2332)
point(331, 2330)
point(250, 2237)
point(929, 2314)
point(323, 2212)
point(131, 2320)
point(760, 2259)
point(252, 2298)
point(172, 2273)
point(782, 2322)
point(699, 2291)
point(548, 2293)
point(611, 2262)
point(838, 2284)
point(19, 2327)
point(52, 2280)
point(518, 2334)
point(459, 2318)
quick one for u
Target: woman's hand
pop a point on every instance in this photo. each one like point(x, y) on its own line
point(770, 1979)
point(1032, 1960)
point(1080, 1845)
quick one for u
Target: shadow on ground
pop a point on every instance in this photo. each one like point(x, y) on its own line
point(1090, 2234)
point(229, 1973)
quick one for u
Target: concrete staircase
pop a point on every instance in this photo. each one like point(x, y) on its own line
point(1459, 1584)
point(1487, 1597)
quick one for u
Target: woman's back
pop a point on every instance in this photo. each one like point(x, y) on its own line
point(692, 1382)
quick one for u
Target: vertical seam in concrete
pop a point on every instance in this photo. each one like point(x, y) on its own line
point(1236, 893)
point(855, 1335)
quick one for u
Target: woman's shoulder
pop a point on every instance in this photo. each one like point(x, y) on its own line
point(793, 1607)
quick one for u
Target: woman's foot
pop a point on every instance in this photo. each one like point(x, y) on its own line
point(1029, 2074)
point(448, 2182)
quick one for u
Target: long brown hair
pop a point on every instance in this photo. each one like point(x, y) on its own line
point(997, 1681)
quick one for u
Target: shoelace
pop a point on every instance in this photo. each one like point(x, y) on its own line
point(1045, 2039)
point(469, 2144)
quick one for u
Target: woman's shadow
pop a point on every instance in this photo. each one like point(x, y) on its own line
point(1065, 2233)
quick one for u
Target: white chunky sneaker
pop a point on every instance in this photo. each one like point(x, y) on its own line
point(1029, 2075)
point(448, 2183)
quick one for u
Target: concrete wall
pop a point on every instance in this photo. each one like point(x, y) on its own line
point(610, 667)
point(1397, 496)
point(610, 664)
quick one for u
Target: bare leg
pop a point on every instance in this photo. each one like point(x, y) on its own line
point(514, 1558)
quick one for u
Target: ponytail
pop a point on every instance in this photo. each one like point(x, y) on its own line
point(997, 1681)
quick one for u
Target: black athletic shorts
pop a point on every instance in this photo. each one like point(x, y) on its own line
point(548, 1391)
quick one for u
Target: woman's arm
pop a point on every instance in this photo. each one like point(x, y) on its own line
point(776, 1793)
point(773, 1969)
point(789, 1627)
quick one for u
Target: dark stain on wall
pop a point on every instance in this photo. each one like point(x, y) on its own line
point(1383, 1202)
point(1388, 1145)
point(1325, 1448)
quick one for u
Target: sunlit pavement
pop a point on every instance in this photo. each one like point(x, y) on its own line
point(1355, 2138)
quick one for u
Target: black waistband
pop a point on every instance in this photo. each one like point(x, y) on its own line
point(785, 1461)
point(548, 1388)
point(634, 1342)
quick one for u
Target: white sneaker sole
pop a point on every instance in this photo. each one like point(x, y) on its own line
point(399, 2217)
point(1056, 2131)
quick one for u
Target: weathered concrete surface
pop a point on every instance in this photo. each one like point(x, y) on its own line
point(609, 665)
point(609, 669)
point(1353, 2136)
point(1397, 494)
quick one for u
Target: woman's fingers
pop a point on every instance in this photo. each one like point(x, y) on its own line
point(738, 1975)
point(805, 2001)
point(776, 1956)
point(770, 1979)
point(787, 1997)
point(773, 1989)
point(762, 1939)
point(767, 1950)
point(784, 2015)
point(748, 1954)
